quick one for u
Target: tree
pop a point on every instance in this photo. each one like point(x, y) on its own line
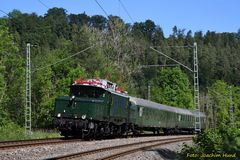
point(79, 19)
point(146, 29)
point(11, 78)
point(219, 94)
point(57, 20)
point(98, 21)
point(119, 51)
point(171, 87)
point(52, 81)
point(236, 105)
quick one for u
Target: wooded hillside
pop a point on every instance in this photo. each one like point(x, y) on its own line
point(118, 52)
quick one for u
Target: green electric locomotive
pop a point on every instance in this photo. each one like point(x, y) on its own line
point(98, 108)
point(95, 108)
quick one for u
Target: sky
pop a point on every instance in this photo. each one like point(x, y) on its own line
point(195, 15)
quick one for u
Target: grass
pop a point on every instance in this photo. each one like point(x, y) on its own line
point(44, 134)
point(14, 132)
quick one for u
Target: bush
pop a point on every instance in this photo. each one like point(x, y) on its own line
point(11, 131)
point(213, 143)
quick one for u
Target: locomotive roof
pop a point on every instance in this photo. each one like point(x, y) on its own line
point(150, 104)
point(111, 91)
point(101, 83)
point(196, 113)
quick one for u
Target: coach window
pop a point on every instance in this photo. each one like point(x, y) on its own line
point(140, 111)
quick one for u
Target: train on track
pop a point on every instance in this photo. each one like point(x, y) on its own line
point(98, 108)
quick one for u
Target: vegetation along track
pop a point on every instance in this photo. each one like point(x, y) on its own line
point(122, 149)
point(33, 142)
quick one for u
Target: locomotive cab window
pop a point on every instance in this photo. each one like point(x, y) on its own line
point(87, 91)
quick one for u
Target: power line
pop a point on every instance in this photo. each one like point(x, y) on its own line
point(4, 12)
point(43, 4)
point(159, 65)
point(102, 8)
point(172, 59)
point(64, 59)
point(186, 46)
point(126, 11)
point(111, 21)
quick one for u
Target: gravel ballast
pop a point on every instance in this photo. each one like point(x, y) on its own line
point(48, 151)
point(165, 152)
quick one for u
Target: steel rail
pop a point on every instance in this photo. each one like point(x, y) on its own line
point(96, 151)
point(4, 145)
point(124, 153)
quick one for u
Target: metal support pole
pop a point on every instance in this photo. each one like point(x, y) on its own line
point(196, 83)
point(196, 89)
point(28, 92)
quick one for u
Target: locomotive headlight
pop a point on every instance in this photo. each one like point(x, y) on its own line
point(73, 97)
point(59, 115)
point(84, 116)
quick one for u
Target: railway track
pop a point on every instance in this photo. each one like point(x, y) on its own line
point(4, 145)
point(120, 150)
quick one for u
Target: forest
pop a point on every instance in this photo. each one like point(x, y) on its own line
point(121, 53)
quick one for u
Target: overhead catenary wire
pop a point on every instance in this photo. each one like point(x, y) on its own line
point(143, 34)
point(125, 9)
point(186, 46)
point(49, 65)
point(110, 20)
point(101, 8)
point(4, 12)
point(172, 59)
point(43, 4)
point(159, 65)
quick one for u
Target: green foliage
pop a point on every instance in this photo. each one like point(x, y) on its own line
point(11, 131)
point(119, 51)
point(4, 117)
point(39, 134)
point(231, 139)
point(223, 140)
point(236, 105)
point(209, 142)
point(62, 85)
point(171, 87)
point(220, 96)
point(52, 81)
point(11, 78)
